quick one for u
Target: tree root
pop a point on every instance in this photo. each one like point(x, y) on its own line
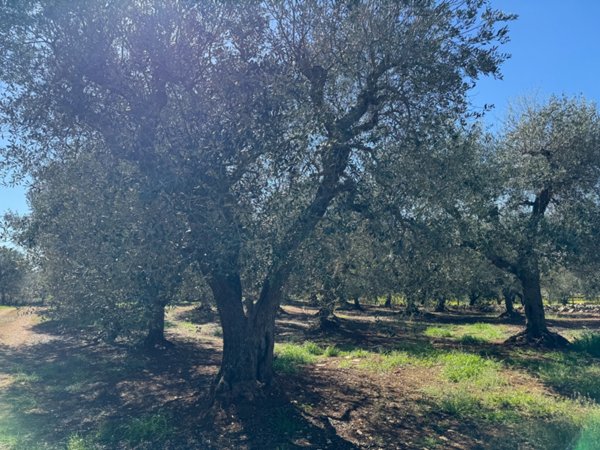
point(547, 339)
point(325, 323)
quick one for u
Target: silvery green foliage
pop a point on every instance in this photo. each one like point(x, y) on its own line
point(107, 254)
point(248, 119)
point(13, 275)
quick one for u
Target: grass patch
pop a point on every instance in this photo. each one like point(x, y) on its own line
point(440, 332)
point(409, 353)
point(467, 367)
point(290, 357)
point(476, 333)
point(78, 442)
point(476, 388)
point(485, 331)
point(589, 438)
point(569, 373)
point(588, 342)
point(332, 351)
point(148, 429)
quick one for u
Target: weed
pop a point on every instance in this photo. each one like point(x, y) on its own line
point(24, 378)
point(439, 332)
point(588, 342)
point(467, 339)
point(332, 351)
point(291, 357)
point(313, 348)
point(460, 366)
point(77, 442)
point(154, 428)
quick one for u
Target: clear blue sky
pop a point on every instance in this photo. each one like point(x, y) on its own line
point(555, 48)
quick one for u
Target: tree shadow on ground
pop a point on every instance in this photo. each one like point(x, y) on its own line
point(120, 397)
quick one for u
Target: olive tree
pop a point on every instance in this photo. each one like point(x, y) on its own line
point(13, 271)
point(227, 106)
point(110, 259)
point(529, 198)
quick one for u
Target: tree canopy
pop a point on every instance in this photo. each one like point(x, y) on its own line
point(249, 118)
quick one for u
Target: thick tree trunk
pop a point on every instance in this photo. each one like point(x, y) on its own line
point(534, 307)
point(536, 331)
point(248, 340)
point(509, 294)
point(357, 304)
point(247, 363)
point(388, 301)
point(473, 297)
point(440, 305)
point(411, 306)
point(509, 299)
point(156, 327)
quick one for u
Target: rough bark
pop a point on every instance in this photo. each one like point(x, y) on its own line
point(536, 330)
point(156, 328)
point(509, 295)
point(248, 342)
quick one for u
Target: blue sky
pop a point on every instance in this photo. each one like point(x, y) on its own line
point(555, 47)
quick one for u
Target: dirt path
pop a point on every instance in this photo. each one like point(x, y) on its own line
point(16, 327)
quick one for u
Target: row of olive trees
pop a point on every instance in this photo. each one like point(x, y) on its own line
point(15, 277)
point(163, 135)
point(479, 216)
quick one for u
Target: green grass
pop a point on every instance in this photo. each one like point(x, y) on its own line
point(588, 342)
point(476, 333)
point(78, 442)
point(148, 429)
point(290, 357)
point(571, 374)
point(467, 367)
point(440, 332)
point(332, 351)
point(589, 438)
point(477, 388)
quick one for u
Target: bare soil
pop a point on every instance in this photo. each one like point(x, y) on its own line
point(77, 387)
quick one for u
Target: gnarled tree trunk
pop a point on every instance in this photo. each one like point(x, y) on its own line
point(536, 330)
point(248, 342)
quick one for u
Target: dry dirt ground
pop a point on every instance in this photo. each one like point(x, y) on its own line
point(62, 391)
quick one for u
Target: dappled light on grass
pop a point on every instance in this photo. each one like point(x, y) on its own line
point(410, 385)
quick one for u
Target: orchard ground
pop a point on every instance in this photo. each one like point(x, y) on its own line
point(378, 380)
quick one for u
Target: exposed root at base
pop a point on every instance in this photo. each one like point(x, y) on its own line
point(546, 339)
point(324, 324)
